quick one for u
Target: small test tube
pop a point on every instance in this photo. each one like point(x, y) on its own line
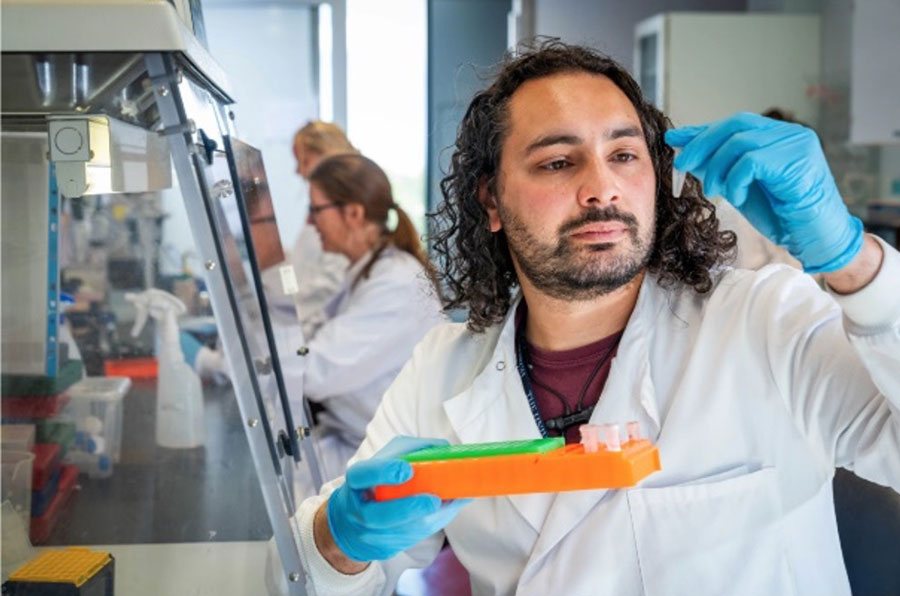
point(634, 430)
point(590, 437)
point(611, 432)
point(677, 176)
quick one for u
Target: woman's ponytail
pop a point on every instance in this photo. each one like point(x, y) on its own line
point(349, 178)
point(402, 234)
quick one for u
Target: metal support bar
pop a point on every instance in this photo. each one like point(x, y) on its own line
point(276, 496)
point(187, 128)
point(291, 443)
point(175, 77)
point(53, 308)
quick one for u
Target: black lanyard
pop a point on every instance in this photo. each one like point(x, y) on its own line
point(521, 366)
point(562, 423)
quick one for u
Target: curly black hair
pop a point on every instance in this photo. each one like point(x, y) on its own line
point(475, 267)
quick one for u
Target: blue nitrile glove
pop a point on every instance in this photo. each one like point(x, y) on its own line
point(775, 173)
point(189, 347)
point(366, 530)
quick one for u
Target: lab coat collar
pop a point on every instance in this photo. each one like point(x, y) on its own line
point(343, 294)
point(355, 269)
point(494, 408)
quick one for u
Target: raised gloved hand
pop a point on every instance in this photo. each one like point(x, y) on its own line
point(189, 347)
point(775, 173)
point(366, 530)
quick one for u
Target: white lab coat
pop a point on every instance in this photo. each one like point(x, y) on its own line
point(353, 357)
point(753, 393)
point(754, 250)
point(318, 277)
point(319, 274)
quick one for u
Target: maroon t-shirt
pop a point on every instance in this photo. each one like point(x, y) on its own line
point(566, 373)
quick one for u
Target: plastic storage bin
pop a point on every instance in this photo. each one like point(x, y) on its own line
point(94, 465)
point(16, 481)
point(16, 545)
point(17, 437)
point(95, 407)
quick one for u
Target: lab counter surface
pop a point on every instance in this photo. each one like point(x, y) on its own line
point(198, 569)
point(157, 495)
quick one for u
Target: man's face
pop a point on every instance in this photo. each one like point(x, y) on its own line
point(576, 186)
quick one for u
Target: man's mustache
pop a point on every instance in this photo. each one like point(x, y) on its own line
point(595, 215)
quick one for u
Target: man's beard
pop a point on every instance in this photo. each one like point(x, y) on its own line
point(575, 273)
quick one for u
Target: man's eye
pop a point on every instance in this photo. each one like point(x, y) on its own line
point(624, 157)
point(558, 164)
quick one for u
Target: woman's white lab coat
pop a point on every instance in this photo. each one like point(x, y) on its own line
point(753, 394)
point(319, 276)
point(354, 356)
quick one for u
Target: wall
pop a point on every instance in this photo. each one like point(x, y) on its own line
point(784, 6)
point(718, 64)
point(608, 25)
point(855, 167)
point(267, 50)
point(466, 39)
point(386, 93)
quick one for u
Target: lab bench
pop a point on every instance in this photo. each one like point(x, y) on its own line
point(96, 189)
point(159, 495)
point(199, 568)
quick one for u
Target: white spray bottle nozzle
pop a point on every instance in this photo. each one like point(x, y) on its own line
point(164, 308)
point(140, 305)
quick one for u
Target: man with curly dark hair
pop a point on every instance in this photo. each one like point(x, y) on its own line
point(478, 269)
point(595, 295)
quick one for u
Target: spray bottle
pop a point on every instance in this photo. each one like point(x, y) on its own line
point(179, 399)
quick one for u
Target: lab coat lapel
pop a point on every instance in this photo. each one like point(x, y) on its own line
point(339, 301)
point(627, 395)
point(494, 408)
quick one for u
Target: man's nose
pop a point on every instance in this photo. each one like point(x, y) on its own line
point(597, 185)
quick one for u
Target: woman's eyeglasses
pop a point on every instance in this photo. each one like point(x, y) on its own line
point(314, 209)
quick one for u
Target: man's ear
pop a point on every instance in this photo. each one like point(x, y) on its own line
point(489, 202)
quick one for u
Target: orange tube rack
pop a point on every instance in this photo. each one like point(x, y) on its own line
point(563, 469)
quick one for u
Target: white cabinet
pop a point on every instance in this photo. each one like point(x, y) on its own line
point(875, 73)
point(699, 67)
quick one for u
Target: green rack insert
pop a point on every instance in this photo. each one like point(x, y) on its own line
point(485, 449)
point(52, 430)
point(29, 385)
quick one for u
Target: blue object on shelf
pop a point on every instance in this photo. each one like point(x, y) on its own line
point(41, 499)
point(51, 364)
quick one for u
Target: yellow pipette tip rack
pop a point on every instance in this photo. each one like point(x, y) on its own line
point(73, 566)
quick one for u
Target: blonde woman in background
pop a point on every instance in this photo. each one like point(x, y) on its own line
point(317, 140)
point(319, 274)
